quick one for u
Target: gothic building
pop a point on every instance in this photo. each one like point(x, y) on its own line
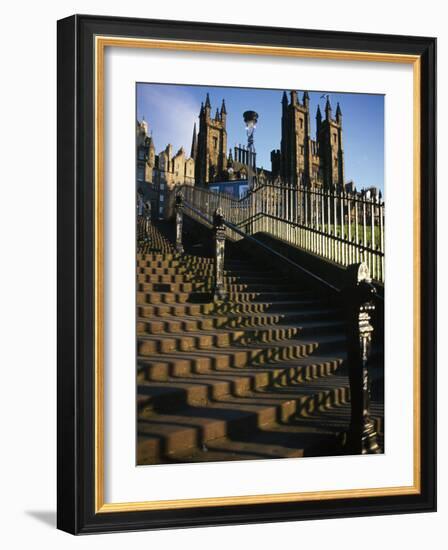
point(164, 168)
point(302, 160)
point(209, 150)
point(211, 153)
point(157, 174)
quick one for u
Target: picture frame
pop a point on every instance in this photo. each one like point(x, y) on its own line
point(82, 42)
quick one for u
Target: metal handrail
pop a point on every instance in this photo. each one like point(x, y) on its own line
point(343, 227)
point(358, 301)
point(266, 247)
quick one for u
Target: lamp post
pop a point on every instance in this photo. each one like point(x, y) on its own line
point(250, 120)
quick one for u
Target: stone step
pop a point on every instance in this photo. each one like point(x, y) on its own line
point(187, 277)
point(225, 449)
point(319, 434)
point(222, 337)
point(207, 275)
point(239, 356)
point(163, 271)
point(175, 260)
point(194, 286)
point(261, 374)
point(222, 308)
point(165, 278)
point(168, 324)
point(232, 298)
point(157, 256)
point(235, 416)
point(159, 367)
point(172, 257)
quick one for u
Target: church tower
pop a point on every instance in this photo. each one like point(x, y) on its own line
point(305, 161)
point(295, 143)
point(329, 138)
point(211, 159)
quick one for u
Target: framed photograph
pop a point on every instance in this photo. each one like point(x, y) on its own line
point(246, 274)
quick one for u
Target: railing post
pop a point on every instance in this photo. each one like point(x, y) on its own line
point(147, 222)
point(179, 205)
point(219, 231)
point(360, 296)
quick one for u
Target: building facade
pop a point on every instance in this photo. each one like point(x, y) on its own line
point(157, 174)
point(302, 160)
point(213, 161)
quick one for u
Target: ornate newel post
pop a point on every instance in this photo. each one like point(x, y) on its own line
point(360, 302)
point(179, 205)
point(219, 232)
point(147, 222)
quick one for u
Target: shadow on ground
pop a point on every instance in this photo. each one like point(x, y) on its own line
point(48, 517)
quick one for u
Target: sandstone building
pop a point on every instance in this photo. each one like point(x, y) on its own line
point(301, 160)
point(213, 161)
point(163, 168)
point(159, 173)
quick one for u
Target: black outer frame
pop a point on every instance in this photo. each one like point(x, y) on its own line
point(75, 403)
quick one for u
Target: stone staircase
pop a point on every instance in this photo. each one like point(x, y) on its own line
point(259, 375)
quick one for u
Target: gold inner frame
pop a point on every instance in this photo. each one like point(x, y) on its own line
point(101, 42)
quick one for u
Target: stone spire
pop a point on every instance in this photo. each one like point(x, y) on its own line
point(328, 109)
point(194, 144)
point(285, 100)
point(207, 102)
point(207, 106)
point(223, 112)
point(318, 117)
point(306, 99)
point(338, 114)
point(293, 97)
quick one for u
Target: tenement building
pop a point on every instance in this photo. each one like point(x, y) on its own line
point(164, 168)
point(158, 174)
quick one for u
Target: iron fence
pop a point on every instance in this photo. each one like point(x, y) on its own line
point(344, 227)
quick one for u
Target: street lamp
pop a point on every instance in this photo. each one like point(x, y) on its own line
point(250, 120)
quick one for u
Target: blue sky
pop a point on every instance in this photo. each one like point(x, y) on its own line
point(171, 111)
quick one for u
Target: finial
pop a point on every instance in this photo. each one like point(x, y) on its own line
point(338, 113)
point(328, 108)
